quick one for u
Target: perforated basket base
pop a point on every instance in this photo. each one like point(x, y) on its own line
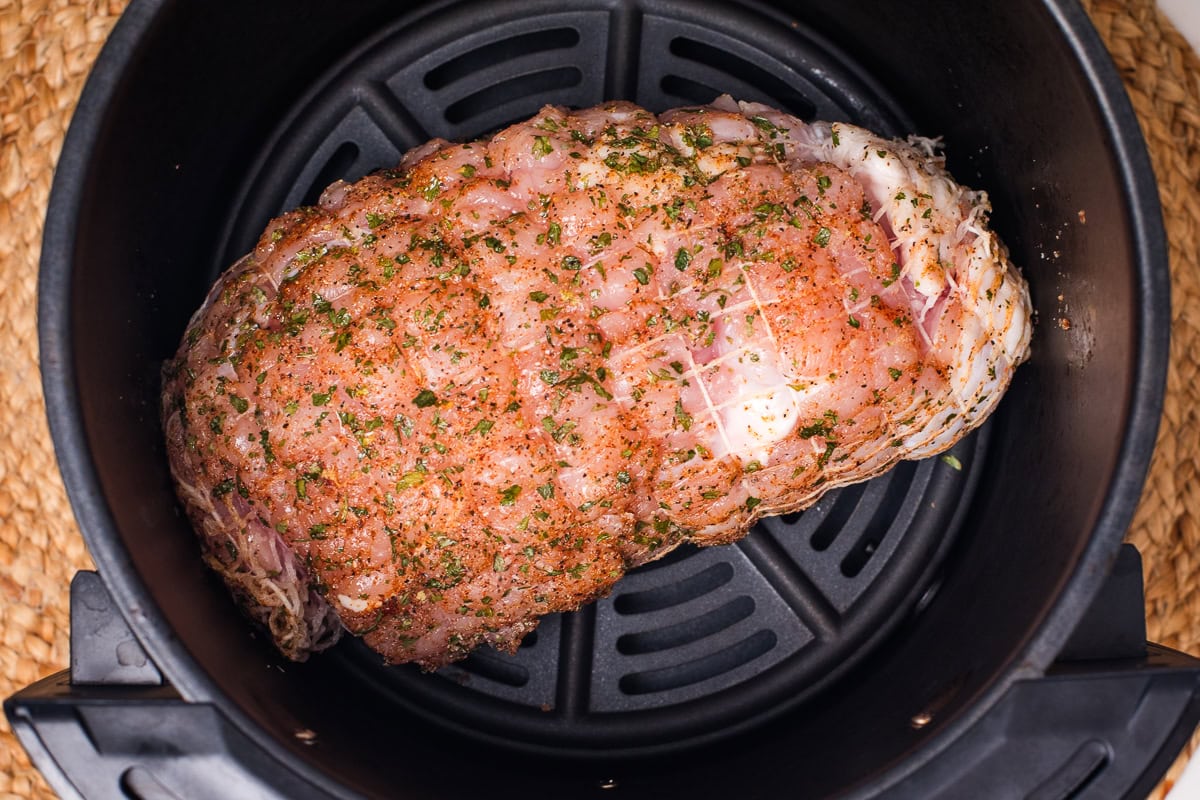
point(705, 642)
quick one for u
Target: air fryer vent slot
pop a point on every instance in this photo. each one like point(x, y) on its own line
point(488, 665)
point(494, 74)
point(533, 84)
point(724, 62)
point(700, 669)
point(688, 90)
point(340, 163)
point(704, 639)
point(487, 57)
point(750, 60)
point(867, 543)
point(674, 594)
point(688, 630)
point(844, 503)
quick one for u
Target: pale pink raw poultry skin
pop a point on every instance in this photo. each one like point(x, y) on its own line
point(477, 389)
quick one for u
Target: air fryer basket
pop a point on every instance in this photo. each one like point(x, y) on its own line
point(693, 646)
point(838, 649)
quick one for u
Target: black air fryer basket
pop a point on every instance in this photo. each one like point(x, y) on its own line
point(965, 627)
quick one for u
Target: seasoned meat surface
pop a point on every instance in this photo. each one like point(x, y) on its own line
point(476, 389)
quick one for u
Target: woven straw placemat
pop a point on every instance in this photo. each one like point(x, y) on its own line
point(46, 49)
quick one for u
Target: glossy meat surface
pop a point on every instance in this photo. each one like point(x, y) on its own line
point(476, 389)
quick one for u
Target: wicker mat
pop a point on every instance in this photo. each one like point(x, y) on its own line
point(46, 48)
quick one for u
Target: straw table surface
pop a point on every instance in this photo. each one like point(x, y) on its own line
point(46, 50)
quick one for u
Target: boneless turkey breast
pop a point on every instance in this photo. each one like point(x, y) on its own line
point(476, 389)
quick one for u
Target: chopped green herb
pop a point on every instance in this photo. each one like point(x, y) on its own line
point(952, 461)
point(268, 453)
point(821, 239)
point(682, 418)
point(765, 211)
point(823, 459)
point(509, 496)
point(410, 480)
point(682, 259)
point(432, 189)
point(580, 378)
point(894, 276)
point(822, 427)
point(403, 425)
point(424, 399)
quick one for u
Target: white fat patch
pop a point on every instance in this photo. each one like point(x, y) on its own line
point(750, 395)
point(591, 172)
point(352, 603)
point(755, 403)
point(757, 422)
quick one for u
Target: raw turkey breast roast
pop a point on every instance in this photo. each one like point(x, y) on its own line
point(478, 388)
